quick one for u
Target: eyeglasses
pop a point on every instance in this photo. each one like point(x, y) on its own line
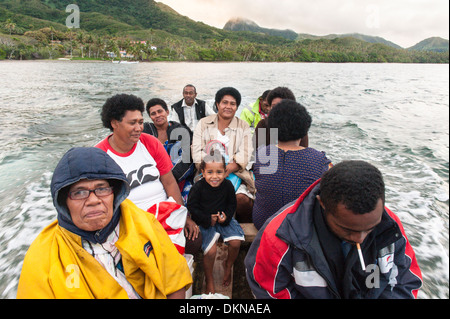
point(85, 193)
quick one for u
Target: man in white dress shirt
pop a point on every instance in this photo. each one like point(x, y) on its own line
point(190, 110)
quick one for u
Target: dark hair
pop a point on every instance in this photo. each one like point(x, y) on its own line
point(280, 92)
point(228, 91)
point(265, 94)
point(156, 101)
point(190, 86)
point(115, 108)
point(214, 157)
point(356, 184)
point(291, 119)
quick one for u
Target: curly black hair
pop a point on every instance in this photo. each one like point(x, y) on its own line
point(280, 92)
point(156, 101)
point(228, 91)
point(291, 119)
point(115, 108)
point(356, 184)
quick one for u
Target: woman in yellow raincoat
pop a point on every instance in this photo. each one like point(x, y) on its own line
point(101, 245)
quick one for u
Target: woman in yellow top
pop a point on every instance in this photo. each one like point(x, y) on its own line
point(101, 245)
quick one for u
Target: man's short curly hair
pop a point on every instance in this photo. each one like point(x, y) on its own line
point(280, 92)
point(291, 119)
point(115, 108)
point(356, 184)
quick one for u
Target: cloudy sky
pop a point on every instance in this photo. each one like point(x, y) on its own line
point(404, 22)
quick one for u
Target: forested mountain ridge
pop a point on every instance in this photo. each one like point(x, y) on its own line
point(241, 24)
point(113, 17)
point(31, 29)
point(434, 44)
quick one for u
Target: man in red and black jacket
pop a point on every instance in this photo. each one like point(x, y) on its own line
point(308, 249)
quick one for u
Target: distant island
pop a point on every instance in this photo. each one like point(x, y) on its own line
point(146, 30)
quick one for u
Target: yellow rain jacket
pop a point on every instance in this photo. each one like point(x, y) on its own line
point(57, 266)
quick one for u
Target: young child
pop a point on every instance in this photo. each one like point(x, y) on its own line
point(212, 204)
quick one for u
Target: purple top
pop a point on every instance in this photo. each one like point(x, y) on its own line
point(282, 177)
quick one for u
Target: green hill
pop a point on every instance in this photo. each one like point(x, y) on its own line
point(113, 17)
point(143, 14)
point(363, 37)
point(241, 24)
point(31, 29)
point(434, 44)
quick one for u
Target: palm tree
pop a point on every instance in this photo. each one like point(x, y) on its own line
point(52, 30)
point(50, 51)
point(10, 25)
point(226, 44)
point(178, 47)
point(218, 46)
point(246, 50)
point(100, 44)
point(135, 50)
point(150, 52)
point(112, 46)
point(80, 39)
point(70, 35)
point(89, 41)
point(151, 35)
point(170, 43)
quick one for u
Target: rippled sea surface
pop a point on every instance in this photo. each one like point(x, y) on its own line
point(395, 116)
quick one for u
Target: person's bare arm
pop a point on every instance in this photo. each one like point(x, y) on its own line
point(171, 187)
point(180, 294)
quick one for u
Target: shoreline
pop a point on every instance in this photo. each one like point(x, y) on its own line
point(245, 62)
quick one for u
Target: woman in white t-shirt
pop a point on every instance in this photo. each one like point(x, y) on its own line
point(145, 162)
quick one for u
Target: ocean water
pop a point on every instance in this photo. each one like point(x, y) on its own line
point(395, 116)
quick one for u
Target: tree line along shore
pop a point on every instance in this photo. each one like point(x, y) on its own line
point(156, 45)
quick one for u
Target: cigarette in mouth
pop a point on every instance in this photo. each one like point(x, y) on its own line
point(361, 259)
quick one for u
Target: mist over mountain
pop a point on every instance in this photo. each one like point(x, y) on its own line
point(241, 24)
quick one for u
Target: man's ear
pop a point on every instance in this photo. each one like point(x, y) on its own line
point(320, 201)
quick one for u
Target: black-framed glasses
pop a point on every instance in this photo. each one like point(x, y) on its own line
point(85, 193)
